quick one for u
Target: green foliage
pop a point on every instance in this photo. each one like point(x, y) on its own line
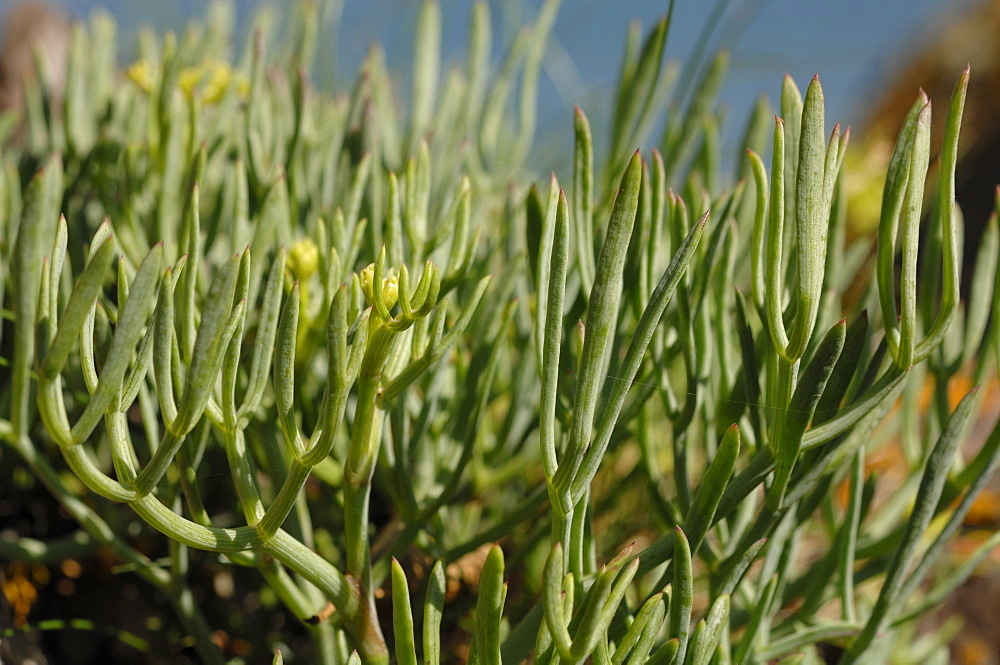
point(648, 357)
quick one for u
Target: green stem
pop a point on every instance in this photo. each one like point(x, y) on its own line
point(366, 437)
point(285, 501)
point(365, 440)
point(783, 458)
point(360, 618)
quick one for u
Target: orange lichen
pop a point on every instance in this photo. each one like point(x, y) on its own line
point(20, 592)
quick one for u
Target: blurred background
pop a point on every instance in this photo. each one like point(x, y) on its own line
point(871, 57)
point(855, 45)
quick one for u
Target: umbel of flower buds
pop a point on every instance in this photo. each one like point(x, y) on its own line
point(390, 287)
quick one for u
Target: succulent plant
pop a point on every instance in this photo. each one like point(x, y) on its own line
point(213, 316)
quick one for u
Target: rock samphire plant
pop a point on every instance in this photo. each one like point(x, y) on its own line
point(444, 414)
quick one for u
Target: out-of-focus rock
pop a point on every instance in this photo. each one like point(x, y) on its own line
point(971, 38)
point(32, 28)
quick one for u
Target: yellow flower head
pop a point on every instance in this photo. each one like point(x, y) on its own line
point(220, 76)
point(211, 78)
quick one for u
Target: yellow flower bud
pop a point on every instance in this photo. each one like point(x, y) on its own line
point(390, 290)
point(303, 258)
point(390, 286)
